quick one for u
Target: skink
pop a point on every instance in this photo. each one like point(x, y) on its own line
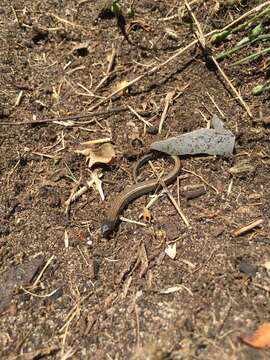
point(134, 191)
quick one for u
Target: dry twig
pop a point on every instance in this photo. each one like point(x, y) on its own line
point(139, 117)
point(246, 228)
point(174, 202)
point(168, 100)
point(203, 180)
point(201, 39)
point(109, 69)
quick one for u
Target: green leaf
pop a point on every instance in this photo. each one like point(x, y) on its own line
point(216, 38)
point(259, 89)
point(256, 31)
point(116, 8)
point(131, 11)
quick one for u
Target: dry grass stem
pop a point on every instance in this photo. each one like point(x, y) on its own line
point(88, 93)
point(246, 228)
point(19, 98)
point(122, 218)
point(64, 21)
point(208, 123)
point(109, 69)
point(242, 17)
point(168, 100)
point(151, 71)
point(203, 180)
point(66, 239)
point(45, 155)
point(181, 91)
point(139, 116)
point(96, 141)
point(215, 104)
point(237, 94)
point(71, 71)
point(180, 212)
point(37, 295)
point(74, 195)
point(199, 34)
point(77, 194)
point(155, 199)
point(42, 271)
point(202, 42)
point(165, 187)
point(98, 183)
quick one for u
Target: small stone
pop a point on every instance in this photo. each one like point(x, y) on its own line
point(152, 130)
point(247, 268)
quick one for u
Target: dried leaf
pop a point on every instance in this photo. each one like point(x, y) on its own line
point(171, 251)
point(174, 289)
point(97, 154)
point(98, 183)
point(171, 290)
point(147, 216)
point(260, 339)
point(121, 85)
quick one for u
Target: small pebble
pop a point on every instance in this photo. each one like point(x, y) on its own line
point(247, 268)
point(152, 130)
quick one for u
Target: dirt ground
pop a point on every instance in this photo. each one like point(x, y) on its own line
point(125, 298)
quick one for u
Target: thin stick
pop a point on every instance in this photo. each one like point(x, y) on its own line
point(139, 116)
point(200, 35)
point(155, 198)
point(180, 212)
point(132, 221)
point(109, 69)
point(149, 72)
point(74, 117)
point(44, 155)
point(15, 15)
point(96, 141)
point(208, 122)
point(19, 98)
point(238, 95)
point(40, 296)
point(165, 187)
point(76, 194)
point(248, 227)
point(43, 270)
point(259, 7)
point(202, 42)
point(203, 180)
point(168, 100)
point(215, 104)
point(161, 193)
point(65, 21)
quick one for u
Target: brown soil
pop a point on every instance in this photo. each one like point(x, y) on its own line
point(110, 302)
